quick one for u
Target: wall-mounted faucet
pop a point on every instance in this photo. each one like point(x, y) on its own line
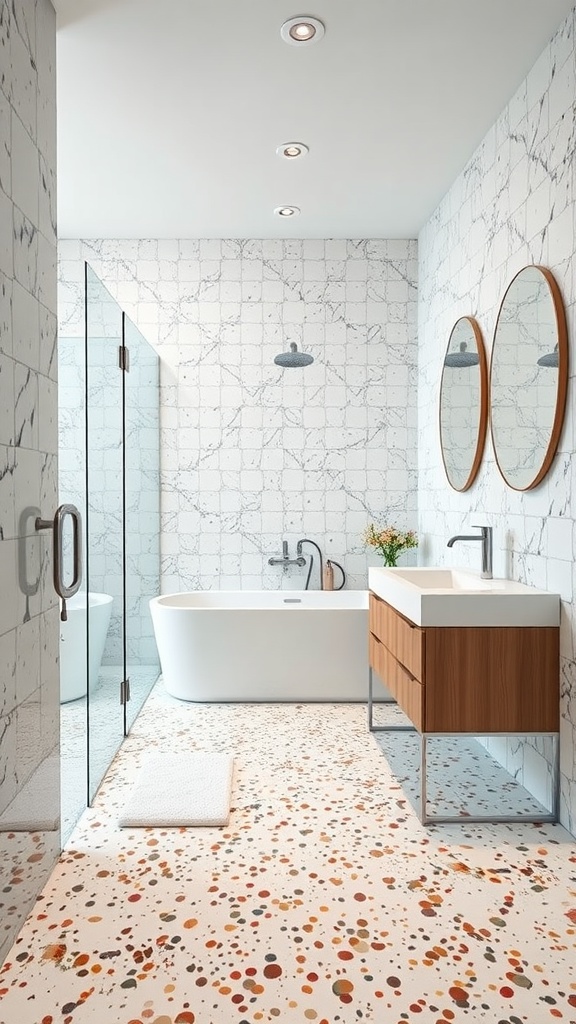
point(285, 559)
point(485, 537)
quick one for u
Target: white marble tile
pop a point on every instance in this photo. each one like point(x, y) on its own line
point(25, 326)
point(27, 35)
point(49, 485)
point(29, 742)
point(8, 776)
point(47, 200)
point(6, 289)
point(7, 404)
point(48, 340)
point(47, 273)
point(47, 415)
point(9, 610)
point(24, 21)
point(250, 431)
point(25, 406)
point(7, 673)
point(5, 144)
point(24, 81)
point(509, 207)
point(7, 520)
point(25, 242)
point(25, 171)
point(6, 235)
point(28, 659)
point(27, 477)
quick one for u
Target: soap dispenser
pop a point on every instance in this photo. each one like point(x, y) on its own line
point(328, 576)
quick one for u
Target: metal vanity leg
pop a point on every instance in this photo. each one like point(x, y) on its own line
point(370, 699)
point(423, 795)
point(556, 778)
point(372, 702)
point(469, 819)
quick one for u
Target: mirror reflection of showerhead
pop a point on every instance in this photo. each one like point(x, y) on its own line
point(293, 357)
point(550, 359)
point(462, 358)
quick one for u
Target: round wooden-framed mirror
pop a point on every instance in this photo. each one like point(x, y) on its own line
point(528, 377)
point(463, 407)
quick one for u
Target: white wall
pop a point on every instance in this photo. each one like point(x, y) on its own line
point(513, 204)
point(29, 682)
point(253, 454)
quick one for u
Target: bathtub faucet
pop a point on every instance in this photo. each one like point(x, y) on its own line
point(332, 562)
point(285, 559)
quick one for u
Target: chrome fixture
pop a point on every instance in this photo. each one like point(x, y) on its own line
point(285, 558)
point(485, 537)
point(321, 560)
point(302, 31)
point(550, 359)
point(293, 357)
point(292, 150)
point(64, 591)
point(286, 211)
point(462, 357)
point(305, 540)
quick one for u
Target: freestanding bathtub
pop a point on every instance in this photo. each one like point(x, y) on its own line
point(73, 683)
point(263, 645)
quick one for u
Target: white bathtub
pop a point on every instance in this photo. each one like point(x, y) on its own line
point(73, 682)
point(263, 645)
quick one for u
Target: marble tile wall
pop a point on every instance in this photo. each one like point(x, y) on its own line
point(252, 454)
point(29, 682)
point(513, 204)
point(105, 486)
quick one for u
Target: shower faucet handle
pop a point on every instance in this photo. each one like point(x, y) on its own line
point(285, 557)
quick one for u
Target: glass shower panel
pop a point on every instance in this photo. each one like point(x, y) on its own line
point(104, 532)
point(73, 668)
point(142, 515)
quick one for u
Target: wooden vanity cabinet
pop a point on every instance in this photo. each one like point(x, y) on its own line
point(469, 679)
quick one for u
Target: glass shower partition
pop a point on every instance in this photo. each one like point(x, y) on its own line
point(104, 527)
point(141, 516)
point(73, 667)
point(109, 443)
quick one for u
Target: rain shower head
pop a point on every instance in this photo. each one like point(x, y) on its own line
point(550, 359)
point(293, 357)
point(462, 358)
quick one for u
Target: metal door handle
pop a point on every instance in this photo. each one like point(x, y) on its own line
point(57, 526)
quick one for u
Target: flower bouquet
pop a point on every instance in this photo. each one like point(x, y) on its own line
point(389, 542)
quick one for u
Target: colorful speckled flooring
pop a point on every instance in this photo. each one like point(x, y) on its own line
point(324, 900)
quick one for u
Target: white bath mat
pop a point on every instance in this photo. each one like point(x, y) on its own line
point(180, 790)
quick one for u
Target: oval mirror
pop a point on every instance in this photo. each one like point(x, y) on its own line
point(463, 403)
point(528, 377)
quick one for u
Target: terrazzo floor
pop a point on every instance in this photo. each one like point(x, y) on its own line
point(324, 900)
point(106, 735)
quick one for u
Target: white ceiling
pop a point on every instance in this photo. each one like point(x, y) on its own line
point(170, 111)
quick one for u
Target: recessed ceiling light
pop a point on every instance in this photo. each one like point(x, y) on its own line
point(287, 211)
point(291, 150)
point(302, 31)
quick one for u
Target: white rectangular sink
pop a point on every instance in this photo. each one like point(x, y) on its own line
point(454, 597)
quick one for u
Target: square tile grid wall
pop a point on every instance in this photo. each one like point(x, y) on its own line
point(514, 204)
point(253, 454)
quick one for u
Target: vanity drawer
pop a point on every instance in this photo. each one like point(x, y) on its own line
point(406, 690)
point(402, 638)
